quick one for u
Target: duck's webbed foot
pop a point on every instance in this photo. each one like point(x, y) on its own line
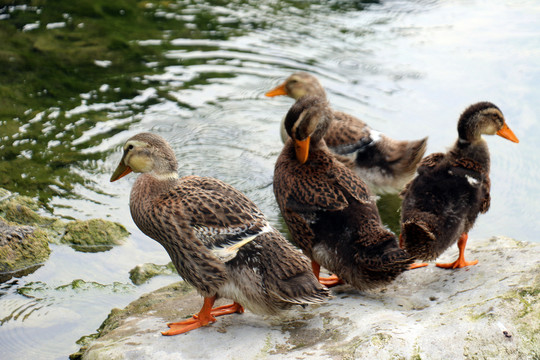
point(206, 316)
point(460, 262)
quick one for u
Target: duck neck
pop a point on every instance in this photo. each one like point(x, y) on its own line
point(476, 150)
point(146, 188)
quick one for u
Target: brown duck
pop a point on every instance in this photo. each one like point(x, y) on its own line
point(385, 164)
point(442, 203)
point(329, 210)
point(218, 240)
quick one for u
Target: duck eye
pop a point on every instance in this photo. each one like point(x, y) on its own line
point(130, 146)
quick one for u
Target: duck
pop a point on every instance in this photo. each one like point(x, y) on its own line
point(331, 214)
point(385, 164)
point(441, 204)
point(218, 240)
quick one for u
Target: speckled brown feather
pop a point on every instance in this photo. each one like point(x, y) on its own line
point(333, 218)
point(385, 164)
point(193, 216)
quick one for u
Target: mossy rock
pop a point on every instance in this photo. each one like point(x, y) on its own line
point(83, 235)
point(94, 233)
point(142, 273)
point(20, 209)
point(21, 246)
point(139, 306)
point(23, 210)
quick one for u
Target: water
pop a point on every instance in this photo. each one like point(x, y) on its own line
point(408, 68)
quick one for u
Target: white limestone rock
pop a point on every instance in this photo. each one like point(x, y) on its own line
point(487, 311)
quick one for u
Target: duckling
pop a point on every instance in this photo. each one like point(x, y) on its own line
point(385, 164)
point(217, 239)
point(329, 210)
point(442, 203)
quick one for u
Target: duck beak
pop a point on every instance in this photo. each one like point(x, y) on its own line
point(121, 171)
point(302, 149)
point(280, 90)
point(506, 133)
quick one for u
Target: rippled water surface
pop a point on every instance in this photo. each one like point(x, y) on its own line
point(408, 68)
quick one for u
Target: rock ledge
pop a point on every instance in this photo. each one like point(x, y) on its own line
point(483, 312)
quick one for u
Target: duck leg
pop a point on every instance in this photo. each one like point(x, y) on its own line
point(227, 309)
point(205, 316)
point(329, 281)
point(460, 262)
point(415, 265)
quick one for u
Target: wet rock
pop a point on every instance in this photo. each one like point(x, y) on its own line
point(485, 311)
point(94, 234)
point(21, 246)
point(142, 273)
point(25, 211)
point(83, 235)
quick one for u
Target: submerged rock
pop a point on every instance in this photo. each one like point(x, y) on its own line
point(38, 289)
point(142, 273)
point(490, 310)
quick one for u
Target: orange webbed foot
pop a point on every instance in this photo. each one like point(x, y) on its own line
point(182, 327)
point(206, 316)
point(330, 281)
point(460, 262)
point(227, 309)
point(417, 265)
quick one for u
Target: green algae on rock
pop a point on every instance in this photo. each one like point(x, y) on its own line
point(21, 246)
point(39, 289)
point(141, 306)
point(24, 210)
point(93, 235)
point(19, 209)
point(142, 273)
point(83, 235)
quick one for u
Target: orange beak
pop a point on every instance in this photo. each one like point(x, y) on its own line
point(302, 149)
point(280, 90)
point(121, 171)
point(506, 133)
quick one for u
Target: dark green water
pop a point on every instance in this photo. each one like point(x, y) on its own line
point(77, 80)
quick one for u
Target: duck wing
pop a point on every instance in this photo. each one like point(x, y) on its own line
point(347, 134)
point(424, 167)
point(303, 192)
point(477, 176)
point(203, 223)
point(222, 217)
point(384, 162)
point(321, 185)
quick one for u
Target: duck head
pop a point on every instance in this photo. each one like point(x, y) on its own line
point(483, 118)
point(147, 153)
point(297, 85)
point(306, 123)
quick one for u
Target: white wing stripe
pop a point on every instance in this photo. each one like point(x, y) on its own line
point(226, 253)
